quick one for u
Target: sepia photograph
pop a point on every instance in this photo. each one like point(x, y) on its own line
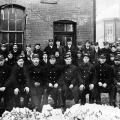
point(59, 59)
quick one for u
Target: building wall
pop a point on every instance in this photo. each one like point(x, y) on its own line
point(40, 18)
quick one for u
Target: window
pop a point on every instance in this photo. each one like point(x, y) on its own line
point(12, 24)
point(64, 29)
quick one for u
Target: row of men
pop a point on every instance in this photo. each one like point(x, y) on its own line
point(59, 81)
point(59, 51)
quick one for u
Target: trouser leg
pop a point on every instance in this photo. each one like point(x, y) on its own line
point(76, 94)
point(112, 94)
point(91, 96)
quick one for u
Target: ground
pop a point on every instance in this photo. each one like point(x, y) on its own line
point(104, 96)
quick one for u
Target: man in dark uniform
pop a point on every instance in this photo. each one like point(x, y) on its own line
point(19, 83)
point(37, 50)
point(112, 57)
point(53, 73)
point(4, 75)
point(88, 49)
point(59, 48)
point(59, 59)
point(50, 49)
point(70, 47)
point(106, 51)
point(116, 75)
point(15, 53)
point(79, 58)
point(4, 51)
point(37, 81)
point(104, 81)
point(68, 82)
point(96, 51)
point(86, 79)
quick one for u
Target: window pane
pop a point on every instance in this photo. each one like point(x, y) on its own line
point(19, 37)
point(19, 13)
point(63, 38)
point(19, 25)
point(4, 24)
point(69, 28)
point(4, 38)
point(11, 37)
point(11, 13)
point(59, 27)
point(5, 13)
point(12, 25)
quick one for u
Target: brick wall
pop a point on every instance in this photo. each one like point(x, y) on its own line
point(40, 17)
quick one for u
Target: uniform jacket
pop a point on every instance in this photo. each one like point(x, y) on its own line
point(53, 72)
point(69, 75)
point(19, 78)
point(39, 52)
point(103, 74)
point(89, 51)
point(116, 73)
point(37, 74)
point(49, 50)
point(4, 74)
point(86, 74)
point(4, 53)
point(107, 53)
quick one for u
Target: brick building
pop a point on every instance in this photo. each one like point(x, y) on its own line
point(36, 21)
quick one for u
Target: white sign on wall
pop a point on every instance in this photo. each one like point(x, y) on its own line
point(109, 32)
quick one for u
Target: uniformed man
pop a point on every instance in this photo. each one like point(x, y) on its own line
point(59, 48)
point(86, 79)
point(45, 59)
point(106, 51)
point(19, 82)
point(59, 59)
point(53, 72)
point(116, 75)
point(114, 50)
point(96, 52)
point(112, 57)
point(70, 47)
point(15, 52)
point(37, 50)
point(104, 81)
point(4, 51)
point(37, 81)
point(4, 75)
point(79, 58)
point(50, 49)
point(87, 49)
point(68, 82)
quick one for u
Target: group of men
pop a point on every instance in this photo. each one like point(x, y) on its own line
point(28, 77)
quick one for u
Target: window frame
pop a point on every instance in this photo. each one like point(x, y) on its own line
point(15, 6)
point(65, 33)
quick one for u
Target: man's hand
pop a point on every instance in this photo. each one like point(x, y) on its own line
point(2, 89)
point(16, 90)
point(50, 85)
point(82, 87)
point(104, 85)
point(100, 84)
point(27, 89)
point(37, 84)
point(55, 85)
point(91, 86)
point(71, 86)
